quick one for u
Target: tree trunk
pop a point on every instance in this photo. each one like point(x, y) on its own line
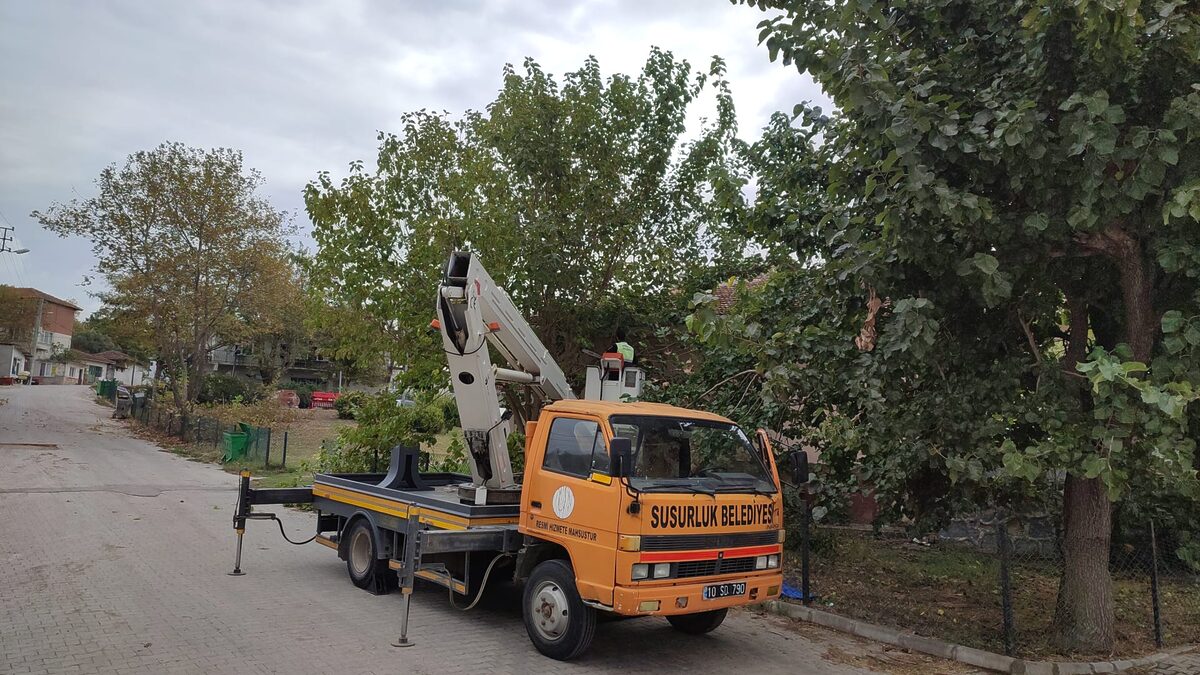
point(1141, 326)
point(1084, 618)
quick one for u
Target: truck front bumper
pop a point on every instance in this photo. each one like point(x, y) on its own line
point(688, 598)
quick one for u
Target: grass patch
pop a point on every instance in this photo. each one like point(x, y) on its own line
point(953, 594)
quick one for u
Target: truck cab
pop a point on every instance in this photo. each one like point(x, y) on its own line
point(649, 509)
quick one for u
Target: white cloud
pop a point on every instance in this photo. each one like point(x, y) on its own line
point(301, 87)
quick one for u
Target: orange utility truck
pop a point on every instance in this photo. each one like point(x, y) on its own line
point(624, 507)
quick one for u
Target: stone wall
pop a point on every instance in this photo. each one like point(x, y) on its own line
point(1028, 534)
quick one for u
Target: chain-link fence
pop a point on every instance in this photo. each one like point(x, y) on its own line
point(232, 442)
point(992, 581)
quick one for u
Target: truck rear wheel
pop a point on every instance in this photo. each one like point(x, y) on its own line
point(366, 570)
point(698, 623)
point(558, 622)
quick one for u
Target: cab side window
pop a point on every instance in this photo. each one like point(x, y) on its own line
point(572, 445)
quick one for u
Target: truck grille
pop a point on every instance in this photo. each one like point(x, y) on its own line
point(692, 542)
point(705, 568)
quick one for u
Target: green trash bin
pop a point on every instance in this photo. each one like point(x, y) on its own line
point(235, 446)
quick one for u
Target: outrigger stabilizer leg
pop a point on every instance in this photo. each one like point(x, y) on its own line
point(239, 520)
point(248, 497)
point(408, 574)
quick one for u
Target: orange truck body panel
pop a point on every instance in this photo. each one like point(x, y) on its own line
point(591, 525)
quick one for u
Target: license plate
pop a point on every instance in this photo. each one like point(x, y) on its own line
point(729, 590)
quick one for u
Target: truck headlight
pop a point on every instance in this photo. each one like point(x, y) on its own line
point(773, 561)
point(662, 570)
point(760, 563)
point(640, 571)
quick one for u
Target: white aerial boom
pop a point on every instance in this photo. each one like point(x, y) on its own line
point(473, 311)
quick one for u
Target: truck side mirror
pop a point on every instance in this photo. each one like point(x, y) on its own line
point(799, 465)
point(620, 457)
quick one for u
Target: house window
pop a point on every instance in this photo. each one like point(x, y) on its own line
point(573, 444)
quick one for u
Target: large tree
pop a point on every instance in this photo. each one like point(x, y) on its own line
point(587, 199)
point(1000, 259)
point(17, 316)
point(183, 238)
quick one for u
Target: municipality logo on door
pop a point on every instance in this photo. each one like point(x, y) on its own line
point(564, 502)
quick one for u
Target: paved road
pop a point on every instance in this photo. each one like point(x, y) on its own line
point(114, 556)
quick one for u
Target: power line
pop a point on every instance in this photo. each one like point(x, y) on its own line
point(17, 269)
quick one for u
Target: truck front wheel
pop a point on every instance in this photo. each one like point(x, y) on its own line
point(698, 623)
point(558, 622)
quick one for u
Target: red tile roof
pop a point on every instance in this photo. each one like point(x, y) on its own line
point(114, 356)
point(35, 293)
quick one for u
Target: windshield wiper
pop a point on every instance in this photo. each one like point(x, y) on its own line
point(753, 486)
point(676, 488)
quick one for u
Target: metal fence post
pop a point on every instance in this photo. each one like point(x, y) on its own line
point(284, 462)
point(1002, 547)
point(1154, 601)
point(267, 454)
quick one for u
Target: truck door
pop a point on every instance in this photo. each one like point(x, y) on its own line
point(572, 502)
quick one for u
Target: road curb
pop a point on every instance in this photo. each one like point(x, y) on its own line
point(960, 653)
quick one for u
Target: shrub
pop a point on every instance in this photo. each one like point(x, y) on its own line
point(382, 424)
point(349, 402)
point(226, 388)
point(304, 391)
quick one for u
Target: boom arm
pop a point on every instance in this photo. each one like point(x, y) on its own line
point(472, 311)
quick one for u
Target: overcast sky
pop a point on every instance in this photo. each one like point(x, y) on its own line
point(300, 87)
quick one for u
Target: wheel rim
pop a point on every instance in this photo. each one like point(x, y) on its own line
point(549, 611)
point(360, 552)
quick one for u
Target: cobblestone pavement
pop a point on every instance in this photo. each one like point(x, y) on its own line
point(115, 553)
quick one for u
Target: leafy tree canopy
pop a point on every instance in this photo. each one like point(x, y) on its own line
point(18, 318)
point(91, 341)
point(999, 254)
point(586, 199)
point(183, 239)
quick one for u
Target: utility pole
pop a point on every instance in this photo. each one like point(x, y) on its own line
point(33, 340)
point(5, 237)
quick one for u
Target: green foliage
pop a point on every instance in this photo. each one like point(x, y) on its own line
point(227, 388)
point(91, 341)
point(348, 403)
point(455, 459)
point(17, 319)
point(382, 424)
point(187, 247)
point(1004, 189)
point(304, 391)
point(117, 327)
point(583, 196)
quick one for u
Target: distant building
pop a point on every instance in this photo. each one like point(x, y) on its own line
point(30, 349)
point(125, 369)
point(246, 362)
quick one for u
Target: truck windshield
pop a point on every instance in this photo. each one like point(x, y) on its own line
point(672, 454)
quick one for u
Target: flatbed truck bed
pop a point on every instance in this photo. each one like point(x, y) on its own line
point(396, 527)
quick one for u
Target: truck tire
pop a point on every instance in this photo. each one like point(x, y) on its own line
point(559, 624)
point(366, 570)
point(698, 623)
